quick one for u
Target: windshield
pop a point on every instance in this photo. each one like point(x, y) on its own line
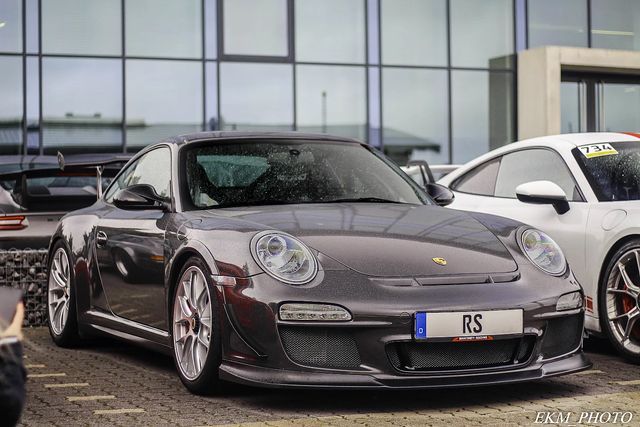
point(612, 169)
point(289, 172)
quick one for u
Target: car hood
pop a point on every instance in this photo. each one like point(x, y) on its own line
point(387, 239)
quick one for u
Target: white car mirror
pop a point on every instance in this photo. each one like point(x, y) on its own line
point(543, 193)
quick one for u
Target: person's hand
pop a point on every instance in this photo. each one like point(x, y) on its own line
point(15, 328)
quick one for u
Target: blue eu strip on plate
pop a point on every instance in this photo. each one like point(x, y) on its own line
point(421, 325)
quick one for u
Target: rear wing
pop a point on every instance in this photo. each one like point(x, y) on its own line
point(78, 165)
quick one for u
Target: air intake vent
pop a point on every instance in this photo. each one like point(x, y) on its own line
point(562, 335)
point(460, 355)
point(320, 347)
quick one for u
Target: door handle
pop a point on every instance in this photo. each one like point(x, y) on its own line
point(101, 238)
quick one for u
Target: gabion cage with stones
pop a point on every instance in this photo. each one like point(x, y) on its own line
point(26, 269)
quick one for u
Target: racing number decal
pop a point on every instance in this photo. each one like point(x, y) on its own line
point(597, 150)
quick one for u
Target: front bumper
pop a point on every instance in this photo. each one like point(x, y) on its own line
point(275, 378)
point(260, 349)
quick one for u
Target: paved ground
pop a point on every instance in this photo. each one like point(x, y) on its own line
point(110, 383)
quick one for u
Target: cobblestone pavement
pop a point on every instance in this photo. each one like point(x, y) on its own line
point(111, 383)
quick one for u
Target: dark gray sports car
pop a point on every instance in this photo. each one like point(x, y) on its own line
point(294, 260)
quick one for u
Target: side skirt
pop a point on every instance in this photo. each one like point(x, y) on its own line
point(128, 330)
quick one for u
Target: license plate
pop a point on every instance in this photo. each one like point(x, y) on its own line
point(468, 324)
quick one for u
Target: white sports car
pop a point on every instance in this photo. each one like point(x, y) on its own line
point(584, 191)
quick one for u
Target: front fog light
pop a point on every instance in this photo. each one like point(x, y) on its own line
point(569, 301)
point(314, 312)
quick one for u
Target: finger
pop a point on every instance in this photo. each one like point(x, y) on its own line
point(19, 316)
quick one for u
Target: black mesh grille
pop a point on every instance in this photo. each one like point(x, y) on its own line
point(562, 335)
point(320, 347)
point(459, 355)
point(26, 269)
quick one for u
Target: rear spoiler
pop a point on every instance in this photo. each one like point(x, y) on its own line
point(98, 165)
point(81, 164)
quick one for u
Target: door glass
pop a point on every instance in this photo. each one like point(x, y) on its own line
point(153, 168)
point(620, 107)
point(534, 165)
point(481, 180)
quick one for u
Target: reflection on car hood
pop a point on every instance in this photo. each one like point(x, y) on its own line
point(387, 240)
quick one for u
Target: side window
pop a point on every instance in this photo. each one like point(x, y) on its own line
point(153, 168)
point(480, 181)
point(534, 165)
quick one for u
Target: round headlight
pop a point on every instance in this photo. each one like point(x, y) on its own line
point(543, 252)
point(285, 258)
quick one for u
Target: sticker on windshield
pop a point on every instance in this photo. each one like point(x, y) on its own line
point(597, 150)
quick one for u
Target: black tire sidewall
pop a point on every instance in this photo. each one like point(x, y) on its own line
point(207, 382)
point(69, 335)
point(602, 302)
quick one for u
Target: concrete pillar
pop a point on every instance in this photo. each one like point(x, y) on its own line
point(539, 75)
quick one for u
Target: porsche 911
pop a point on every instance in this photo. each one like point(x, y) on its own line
point(298, 260)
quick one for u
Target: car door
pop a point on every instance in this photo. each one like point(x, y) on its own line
point(130, 244)
point(491, 188)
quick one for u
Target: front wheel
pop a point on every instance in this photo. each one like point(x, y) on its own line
point(61, 304)
point(195, 328)
point(619, 301)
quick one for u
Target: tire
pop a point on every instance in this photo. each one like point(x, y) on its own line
point(619, 301)
point(61, 299)
point(192, 323)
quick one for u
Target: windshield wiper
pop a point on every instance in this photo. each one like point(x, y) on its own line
point(363, 200)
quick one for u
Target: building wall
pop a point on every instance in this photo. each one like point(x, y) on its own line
point(421, 79)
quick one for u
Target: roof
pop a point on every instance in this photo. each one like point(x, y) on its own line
point(230, 135)
point(562, 143)
point(572, 140)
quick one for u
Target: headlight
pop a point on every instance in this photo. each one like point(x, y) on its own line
point(285, 258)
point(543, 252)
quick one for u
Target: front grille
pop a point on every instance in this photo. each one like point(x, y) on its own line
point(320, 347)
point(562, 335)
point(434, 356)
point(26, 269)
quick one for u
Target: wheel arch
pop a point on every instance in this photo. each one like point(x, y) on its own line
point(193, 249)
point(612, 250)
point(604, 265)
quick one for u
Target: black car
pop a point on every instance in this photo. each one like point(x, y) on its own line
point(295, 260)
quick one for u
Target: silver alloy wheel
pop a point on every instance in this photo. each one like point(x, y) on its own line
point(192, 322)
point(59, 291)
point(623, 300)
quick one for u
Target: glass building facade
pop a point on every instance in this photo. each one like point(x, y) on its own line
point(421, 79)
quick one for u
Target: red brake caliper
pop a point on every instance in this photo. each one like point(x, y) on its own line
point(629, 304)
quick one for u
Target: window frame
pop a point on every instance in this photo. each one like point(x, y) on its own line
point(230, 57)
point(501, 155)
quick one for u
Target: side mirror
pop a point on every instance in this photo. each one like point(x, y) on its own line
point(440, 194)
point(139, 197)
point(543, 193)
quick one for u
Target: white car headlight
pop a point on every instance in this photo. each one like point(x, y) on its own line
point(285, 258)
point(543, 252)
